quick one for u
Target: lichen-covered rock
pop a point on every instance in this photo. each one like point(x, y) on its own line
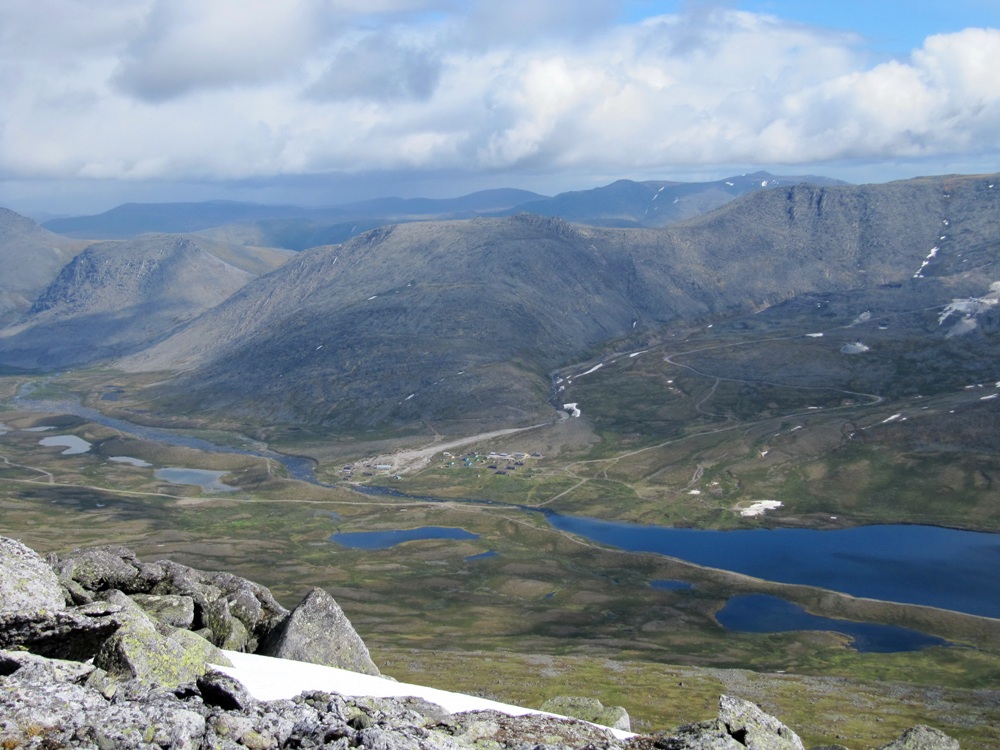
point(189, 640)
point(228, 632)
point(31, 667)
point(922, 738)
point(250, 603)
point(741, 725)
point(493, 729)
point(102, 568)
point(74, 634)
point(170, 609)
point(318, 631)
point(754, 728)
point(26, 580)
point(228, 693)
point(137, 651)
point(86, 572)
point(588, 709)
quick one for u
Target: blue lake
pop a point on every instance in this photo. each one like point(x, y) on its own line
point(926, 565)
point(761, 613)
point(386, 539)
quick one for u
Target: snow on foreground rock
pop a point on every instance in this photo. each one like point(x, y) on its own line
point(267, 678)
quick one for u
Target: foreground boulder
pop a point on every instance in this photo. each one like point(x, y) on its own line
point(159, 624)
point(137, 651)
point(237, 612)
point(741, 725)
point(74, 633)
point(26, 580)
point(318, 631)
point(922, 738)
point(588, 709)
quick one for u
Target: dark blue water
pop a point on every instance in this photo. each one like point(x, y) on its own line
point(386, 539)
point(669, 584)
point(482, 556)
point(912, 564)
point(760, 613)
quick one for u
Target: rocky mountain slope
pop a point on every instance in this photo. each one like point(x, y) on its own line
point(463, 321)
point(30, 258)
point(117, 296)
point(102, 650)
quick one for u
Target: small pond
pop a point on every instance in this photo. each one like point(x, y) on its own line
point(386, 539)
point(762, 613)
point(482, 555)
point(204, 478)
point(71, 443)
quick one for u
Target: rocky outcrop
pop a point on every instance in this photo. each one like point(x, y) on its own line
point(234, 613)
point(740, 725)
point(922, 738)
point(26, 581)
point(116, 671)
point(588, 709)
point(159, 623)
point(74, 633)
point(318, 631)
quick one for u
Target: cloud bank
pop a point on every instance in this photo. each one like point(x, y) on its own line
point(251, 89)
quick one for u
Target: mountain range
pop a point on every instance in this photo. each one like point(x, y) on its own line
point(462, 322)
point(622, 203)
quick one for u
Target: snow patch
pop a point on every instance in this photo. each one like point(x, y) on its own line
point(855, 348)
point(636, 354)
point(760, 507)
point(573, 409)
point(595, 368)
point(990, 397)
point(267, 678)
point(893, 418)
point(814, 335)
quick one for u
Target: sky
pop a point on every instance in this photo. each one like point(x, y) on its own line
point(320, 102)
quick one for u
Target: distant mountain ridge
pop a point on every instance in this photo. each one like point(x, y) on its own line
point(622, 203)
point(625, 203)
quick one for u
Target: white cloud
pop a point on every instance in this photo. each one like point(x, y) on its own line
point(380, 67)
point(236, 89)
point(188, 45)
